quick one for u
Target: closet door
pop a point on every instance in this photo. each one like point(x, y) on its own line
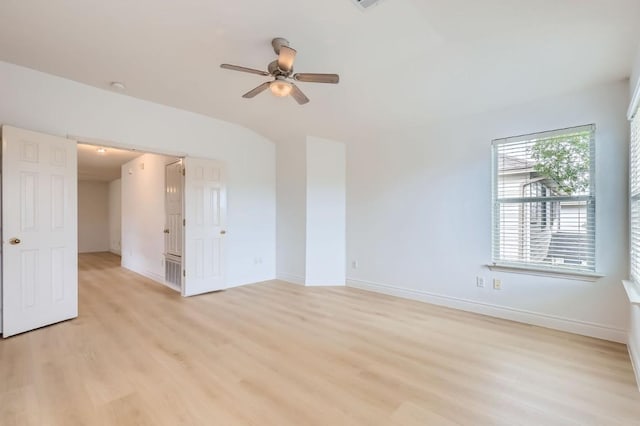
point(173, 209)
point(39, 230)
point(205, 214)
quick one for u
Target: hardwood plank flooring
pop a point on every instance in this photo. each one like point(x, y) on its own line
point(279, 354)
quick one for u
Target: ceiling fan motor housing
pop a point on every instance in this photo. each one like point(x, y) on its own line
point(275, 70)
point(279, 42)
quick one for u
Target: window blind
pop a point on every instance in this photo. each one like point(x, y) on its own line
point(544, 200)
point(634, 190)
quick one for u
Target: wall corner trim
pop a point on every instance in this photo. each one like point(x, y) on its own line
point(527, 317)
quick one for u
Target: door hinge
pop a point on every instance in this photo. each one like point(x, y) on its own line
point(184, 222)
point(184, 272)
point(183, 172)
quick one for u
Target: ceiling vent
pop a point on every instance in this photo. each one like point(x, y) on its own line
point(365, 4)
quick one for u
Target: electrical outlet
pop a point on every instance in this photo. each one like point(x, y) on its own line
point(497, 284)
point(354, 264)
point(480, 281)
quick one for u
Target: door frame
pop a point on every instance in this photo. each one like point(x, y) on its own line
point(130, 147)
point(181, 160)
point(143, 150)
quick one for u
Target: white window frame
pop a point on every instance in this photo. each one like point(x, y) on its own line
point(524, 267)
point(634, 199)
point(632, 286)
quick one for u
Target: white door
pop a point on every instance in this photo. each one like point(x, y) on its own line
point(205, 215)
point(173, 209)
point(39, 230)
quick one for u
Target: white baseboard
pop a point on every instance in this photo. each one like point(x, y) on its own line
point(324, 283)
point(151, 275)
point(297, 279)
point(519, 315)
point(116, 252)
point(290, 278)
point(635, 358)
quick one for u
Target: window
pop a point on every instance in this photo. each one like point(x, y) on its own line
point(634, 189)
point(544, 201)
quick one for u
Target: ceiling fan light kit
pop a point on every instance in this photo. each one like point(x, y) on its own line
point(280, 87)
point(281, 70)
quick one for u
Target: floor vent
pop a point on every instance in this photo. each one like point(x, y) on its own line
point(173, 270)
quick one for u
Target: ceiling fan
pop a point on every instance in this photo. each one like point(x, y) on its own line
point(282, 70)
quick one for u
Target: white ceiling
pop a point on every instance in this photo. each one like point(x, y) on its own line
point(106, 166)
point(402, 63)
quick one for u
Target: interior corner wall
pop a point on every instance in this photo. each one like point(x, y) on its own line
point(143, 215)
point(634, 341)
point(115, 216)
point(93, 216)
point(57, 106)
point(634, 80)
point(325, 212)
point(419, 215)
point(291, 207)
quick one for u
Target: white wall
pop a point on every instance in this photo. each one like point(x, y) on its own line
point(311, 211)
point(325, 212)
point(49, 104)
point(634, 80)
point(93, 216)
point(115, 216)
point(143, 215)
point(292, 188)
point(419, 215)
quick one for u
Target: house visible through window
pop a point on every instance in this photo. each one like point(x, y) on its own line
point(544, 200)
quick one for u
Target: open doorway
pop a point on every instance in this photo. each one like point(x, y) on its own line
point(130, 204)
point(39, 284)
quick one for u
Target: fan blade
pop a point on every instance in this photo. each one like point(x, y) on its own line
point(251, 93)
point(244, 69)
point(298, 95)
point(317, 78)
point(285, 58)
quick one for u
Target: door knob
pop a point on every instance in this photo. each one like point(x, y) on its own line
point(14, 241)
point(223, 232)
point(166, 231)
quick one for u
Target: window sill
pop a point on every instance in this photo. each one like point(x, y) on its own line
point(633, 292)
point(529, 270)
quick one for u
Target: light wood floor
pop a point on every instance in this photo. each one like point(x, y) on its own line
point(280, 354)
